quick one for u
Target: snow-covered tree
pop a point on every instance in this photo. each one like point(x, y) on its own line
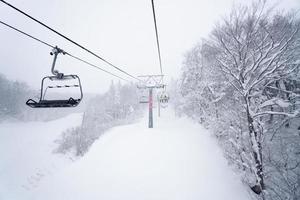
point(119, 105)
point(243, 83)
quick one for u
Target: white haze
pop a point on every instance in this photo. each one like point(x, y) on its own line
point(120, 31)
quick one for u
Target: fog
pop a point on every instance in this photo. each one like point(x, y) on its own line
point(122, 32)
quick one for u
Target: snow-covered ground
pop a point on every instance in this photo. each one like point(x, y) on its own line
point(26, 156)
point(177, 159)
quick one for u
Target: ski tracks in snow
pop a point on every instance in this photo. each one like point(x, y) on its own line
point(26, 157)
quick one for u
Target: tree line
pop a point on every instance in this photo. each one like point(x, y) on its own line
point(13, 97)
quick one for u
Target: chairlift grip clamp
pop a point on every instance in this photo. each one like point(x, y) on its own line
point(55, 51)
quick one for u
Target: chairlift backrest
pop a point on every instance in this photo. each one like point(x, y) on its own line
point(65, 102)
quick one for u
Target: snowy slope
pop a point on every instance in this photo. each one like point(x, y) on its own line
point(26, 156)
point(176, 160)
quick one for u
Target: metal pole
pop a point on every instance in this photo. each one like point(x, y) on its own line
point(55, 52)
point(150, 125)
point(54, 72)
point(158, 100)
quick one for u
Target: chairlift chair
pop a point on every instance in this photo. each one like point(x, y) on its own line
point(143, 99)
point(143, 96)
point(59, 79)
point(163, 99)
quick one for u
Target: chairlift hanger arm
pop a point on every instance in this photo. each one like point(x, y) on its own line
point(55, 52)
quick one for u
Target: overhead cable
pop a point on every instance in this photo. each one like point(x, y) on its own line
point(70, 40)
point(22, 32)
point(95, 66)
point(52, 46)
point(157, 40)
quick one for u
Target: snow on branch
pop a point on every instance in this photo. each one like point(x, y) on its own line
point(276, 101)
point(291, 115)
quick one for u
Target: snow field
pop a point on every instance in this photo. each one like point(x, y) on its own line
point(26, 156)
point(177, 159)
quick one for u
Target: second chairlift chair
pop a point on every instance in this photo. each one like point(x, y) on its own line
point(163, 98)
point(59, 79)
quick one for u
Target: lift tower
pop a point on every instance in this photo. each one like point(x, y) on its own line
point(150, 82)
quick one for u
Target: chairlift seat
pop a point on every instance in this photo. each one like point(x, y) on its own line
point(53, 103)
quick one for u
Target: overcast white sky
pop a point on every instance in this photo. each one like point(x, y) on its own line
point(121, 31)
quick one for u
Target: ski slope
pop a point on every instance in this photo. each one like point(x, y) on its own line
point(177, 159)
point(26, 155)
